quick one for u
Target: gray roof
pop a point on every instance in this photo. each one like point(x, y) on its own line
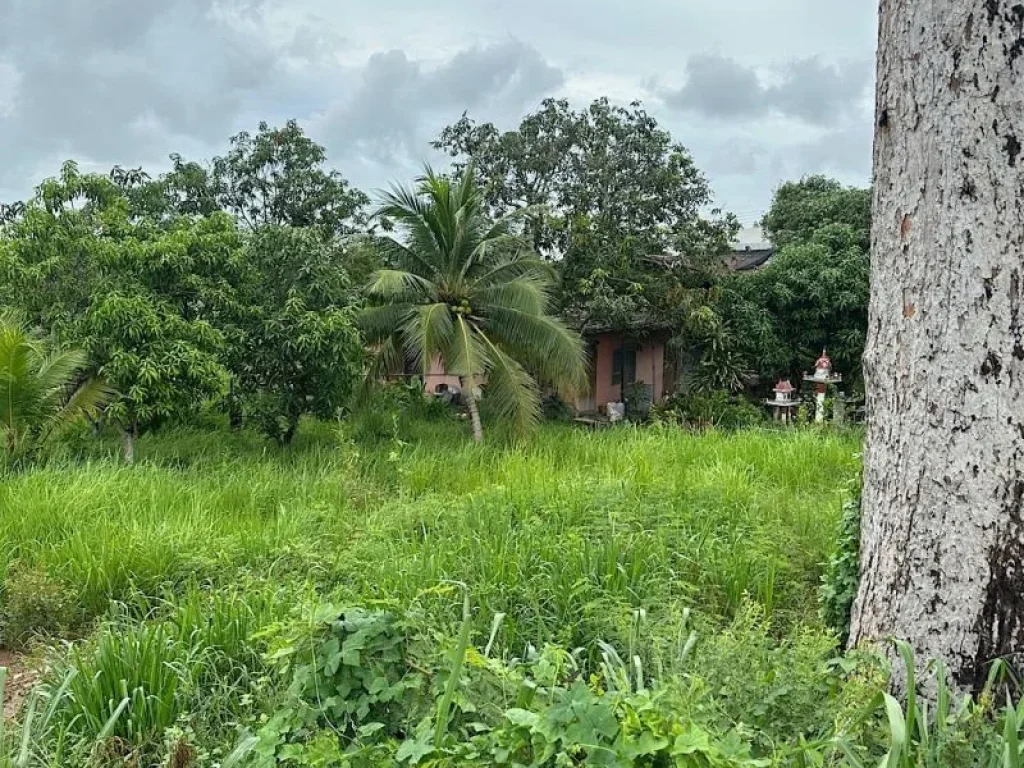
point(748, 259)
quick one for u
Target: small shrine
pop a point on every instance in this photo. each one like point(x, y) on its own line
point(783, 405)
point(822, 377)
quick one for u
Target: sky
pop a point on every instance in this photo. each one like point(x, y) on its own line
point(758, 91)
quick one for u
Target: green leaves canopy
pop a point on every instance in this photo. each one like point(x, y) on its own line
point(461, 290)
point(300, 350)
point(606, 188)
point(139, 296)
point(800, 208)
point(811, 295)
point(42, 389)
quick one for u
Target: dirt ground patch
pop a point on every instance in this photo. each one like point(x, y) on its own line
point(20, 679)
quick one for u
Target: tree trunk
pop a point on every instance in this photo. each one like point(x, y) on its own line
point(128, 444)
point(942, 545)
point(289, 434)
point(469, 391)
point(234, 403)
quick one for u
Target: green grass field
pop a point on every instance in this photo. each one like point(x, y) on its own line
point(673, 575)
point(561, 534)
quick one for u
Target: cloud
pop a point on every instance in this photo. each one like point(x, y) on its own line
point(399, 103)
point(845, 152)
point(807, 89)
point(129, 81)
point(718, 86)
point(120, 80)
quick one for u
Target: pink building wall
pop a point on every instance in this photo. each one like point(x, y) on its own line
point(437, 375)
point(650, 369)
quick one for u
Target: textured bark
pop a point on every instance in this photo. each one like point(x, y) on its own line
point(469, 391)
point(942, 543)
point(128, 445)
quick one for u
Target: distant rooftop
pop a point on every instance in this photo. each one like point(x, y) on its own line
point(752, 238)
point(750, 250)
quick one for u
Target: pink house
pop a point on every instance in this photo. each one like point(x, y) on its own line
point(613, 356)
point(617, 358)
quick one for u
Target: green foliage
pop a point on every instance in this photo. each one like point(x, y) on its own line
point(161, 365)
point(810, 296)
point(35, 605)
point(944, 730)
point(572, 164)
point(800, 208)
point(718, 409)
point(276, 178)
point(579, 584)
point(459, 290)
point(814, 292)
point(607, 189)
point(141, 298)
point(348, 673)
point(129, 686)
point(300, 351)
point(839, 585)
point(546, 532)
point(42, 390)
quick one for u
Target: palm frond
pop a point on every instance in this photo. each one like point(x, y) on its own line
point(511, 391)
point(428, 333)
point(380, 323)
point(88, 399)
point(468, 356)
point(452, 253)
point(393, 285)
point(515, 266)
point(400, 256)
point(56, 370)
point(39, 390)
point(544, 343)
point(523, 294)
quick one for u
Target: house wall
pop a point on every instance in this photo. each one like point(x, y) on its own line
point(650, 369)
point(437, 375)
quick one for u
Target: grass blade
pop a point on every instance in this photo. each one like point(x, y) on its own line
point(1011, 743)
point(24, 754)
point(495, 625)
point(240, 752)
point(897, 733)
point(108, 726)
point(458, 660)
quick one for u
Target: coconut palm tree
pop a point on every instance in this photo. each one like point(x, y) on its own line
point(41, 390)
point(460, 289)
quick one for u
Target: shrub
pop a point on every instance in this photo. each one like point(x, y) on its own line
point(348, 674)
point(842, 576)
point(386, 413)
point(36, 605)
point(718, 409)
point(555, 408)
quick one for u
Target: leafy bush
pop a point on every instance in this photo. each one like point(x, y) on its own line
point(35, 604)
point(364, 686)
point(718, 409)
point(388, 411)
point(839, 584)
point(555, 408)
point(638, 398)
point(131, 685)
point(348, 674)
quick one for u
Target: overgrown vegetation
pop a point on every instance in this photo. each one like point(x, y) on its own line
point(638, 596)
point(316, 586)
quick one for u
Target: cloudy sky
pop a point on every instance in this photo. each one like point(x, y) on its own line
point(758, 91)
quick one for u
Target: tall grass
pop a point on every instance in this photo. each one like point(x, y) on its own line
point(567, 534)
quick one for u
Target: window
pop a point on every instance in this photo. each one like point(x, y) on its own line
point(623, 363)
